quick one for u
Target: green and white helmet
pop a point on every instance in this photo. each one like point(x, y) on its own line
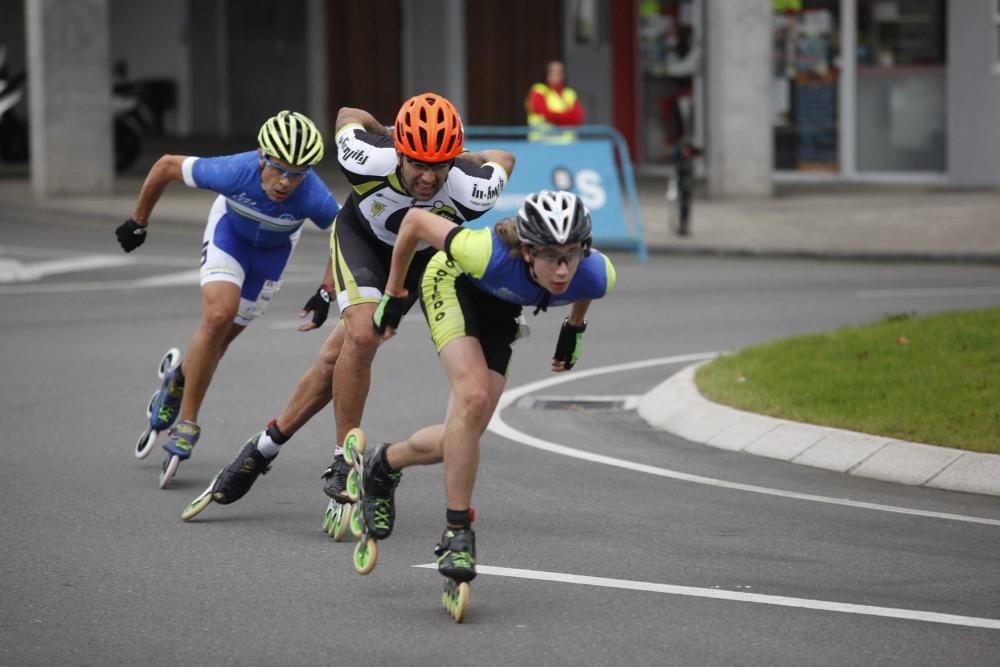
point(292, 137)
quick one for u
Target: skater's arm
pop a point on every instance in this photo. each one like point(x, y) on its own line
point(166, 169)
point(349, 115)
point(569, 347)
point(503, 158)
point(132, 233)
point(418, 225)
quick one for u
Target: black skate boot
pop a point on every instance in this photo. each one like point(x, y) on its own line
point(336, 480)
point(235, 481)
point(456, 554)
point(378, 505)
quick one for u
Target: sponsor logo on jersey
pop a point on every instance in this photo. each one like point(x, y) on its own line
point(358, 155)
point(246, 200)
point(446, 212)
point(489, 194)
point(377, 209)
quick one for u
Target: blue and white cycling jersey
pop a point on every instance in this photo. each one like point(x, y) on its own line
point(256, 219)
point(485, 258)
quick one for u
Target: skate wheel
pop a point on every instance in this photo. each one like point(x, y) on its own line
point(170, 360)
point(201, 502)
point(341, 522)
point(455, 599)
point(357, 521)
point(353, 486)
point(145, 444)
point(354, 445)
point(331, 508)
point(169, 470)
point(365, 555)
point(152, 400)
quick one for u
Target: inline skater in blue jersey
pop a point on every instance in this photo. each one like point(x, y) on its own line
point(472, 294)
point(418, 163)
point(265, 195)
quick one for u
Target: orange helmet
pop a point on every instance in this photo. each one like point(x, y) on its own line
point(429, 129)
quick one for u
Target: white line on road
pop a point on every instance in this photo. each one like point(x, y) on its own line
point(181, 278)
point(736, 596)
point(15, 271)
point(926, 292)
point(501, 428)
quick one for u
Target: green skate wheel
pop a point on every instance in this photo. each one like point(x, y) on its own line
point(195, 507)
point(328, 518)
point(455, 599)
point(341, 522)
point(357, 522)
point(365, 556)
point(354, 445)
point(353, 488)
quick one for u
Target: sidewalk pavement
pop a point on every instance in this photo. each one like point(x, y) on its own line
point(845, 221)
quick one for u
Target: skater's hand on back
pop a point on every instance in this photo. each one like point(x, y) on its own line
point(130, 235)
point(319, 305)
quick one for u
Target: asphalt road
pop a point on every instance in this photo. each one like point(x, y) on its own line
point(584, 563)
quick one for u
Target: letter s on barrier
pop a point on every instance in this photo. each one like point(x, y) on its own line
point(588, 183)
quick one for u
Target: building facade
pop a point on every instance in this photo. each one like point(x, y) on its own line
point(871, 90)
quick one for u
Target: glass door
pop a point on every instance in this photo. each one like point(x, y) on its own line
point(901, 86)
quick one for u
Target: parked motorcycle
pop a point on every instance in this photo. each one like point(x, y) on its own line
point(13, 129)
point(131, 120)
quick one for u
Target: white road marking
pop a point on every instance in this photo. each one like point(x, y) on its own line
point(15, 271)
point(180, 278)
point(141, 257)
point(737, 596)
point(926, 292)
point(501, 428)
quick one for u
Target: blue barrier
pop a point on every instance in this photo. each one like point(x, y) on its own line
point(595, 165)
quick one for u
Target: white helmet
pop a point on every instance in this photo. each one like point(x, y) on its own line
point(553, 218)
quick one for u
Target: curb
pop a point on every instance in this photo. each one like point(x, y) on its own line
point(897, 256)
point(676, 406)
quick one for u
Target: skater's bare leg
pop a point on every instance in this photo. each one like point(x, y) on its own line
point(425, 447)
point(475, 391)
point(315, 389)
point(220, 302)
point(352, 372)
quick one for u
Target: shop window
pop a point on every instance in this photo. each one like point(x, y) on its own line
point(670, 63)
point(806, 36)
point(900, 93)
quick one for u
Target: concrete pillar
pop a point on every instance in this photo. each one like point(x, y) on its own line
point(740, 135)
point(69, 96)
point(424, 23)
point(318, 76)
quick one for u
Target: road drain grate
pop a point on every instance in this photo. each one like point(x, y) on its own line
point(579, 403)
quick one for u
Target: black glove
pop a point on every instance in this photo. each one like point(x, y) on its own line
point(388, 313)
point(319, 304)
point(130, 234)
point(570, 344)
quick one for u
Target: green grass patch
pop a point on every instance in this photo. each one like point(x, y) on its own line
point(929, 379)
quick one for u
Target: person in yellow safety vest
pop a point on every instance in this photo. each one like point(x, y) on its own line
point(553, 104)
